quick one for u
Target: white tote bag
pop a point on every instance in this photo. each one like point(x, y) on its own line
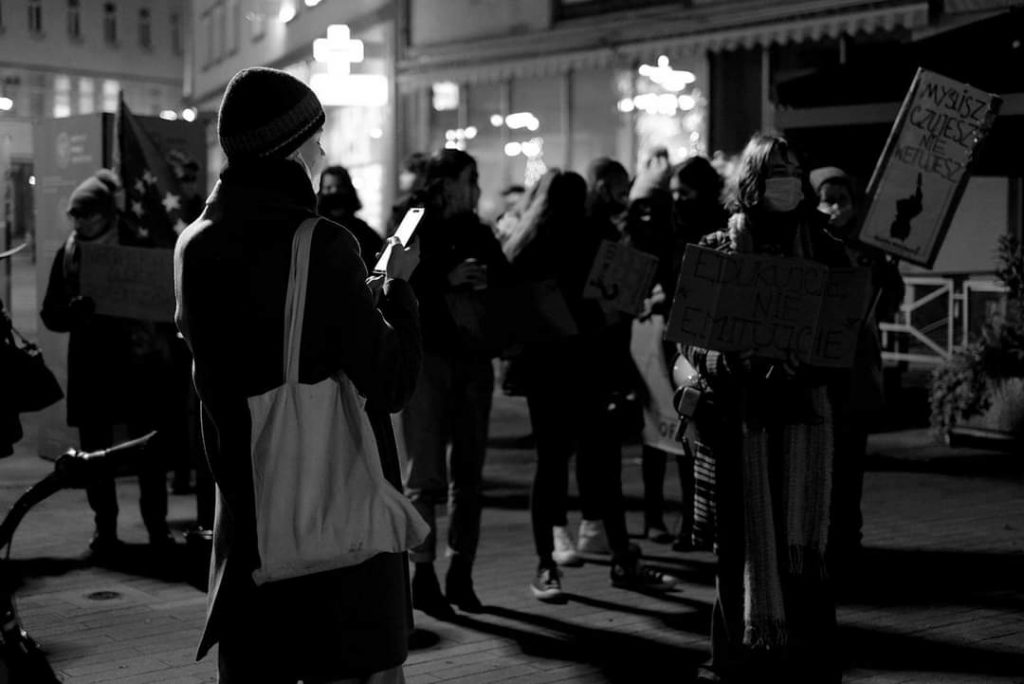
point(321, 498)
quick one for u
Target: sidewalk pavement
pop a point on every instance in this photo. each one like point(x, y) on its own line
point(938, 596)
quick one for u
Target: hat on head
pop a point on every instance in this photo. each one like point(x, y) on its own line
point(266, 113)
point(95, 194)
point(825, 174)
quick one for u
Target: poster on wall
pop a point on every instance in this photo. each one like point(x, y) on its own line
point(777, 307)
point(917, 183)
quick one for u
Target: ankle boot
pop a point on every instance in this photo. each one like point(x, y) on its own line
point(426, 593)
point(458, 586)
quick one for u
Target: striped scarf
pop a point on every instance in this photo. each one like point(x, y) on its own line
point(802, 452)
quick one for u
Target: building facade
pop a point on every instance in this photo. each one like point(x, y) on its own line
point(354, 76)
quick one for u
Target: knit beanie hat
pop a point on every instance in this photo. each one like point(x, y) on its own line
point(266, 113)
point(95, 194)
point(826, 174)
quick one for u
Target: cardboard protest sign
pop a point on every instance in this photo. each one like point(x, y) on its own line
point(621, 277)
point(920, 176)
point(777, 307)
point(131, 282)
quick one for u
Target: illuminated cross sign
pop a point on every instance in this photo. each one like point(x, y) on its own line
point(339, 51)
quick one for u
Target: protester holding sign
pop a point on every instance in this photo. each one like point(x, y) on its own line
point(839, 199)
point(774, 614)
point(119, 369)
point(668, 210)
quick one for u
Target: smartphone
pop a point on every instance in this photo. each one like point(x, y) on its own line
point(404, 233)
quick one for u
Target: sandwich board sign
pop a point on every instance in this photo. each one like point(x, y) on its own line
point(918, 181)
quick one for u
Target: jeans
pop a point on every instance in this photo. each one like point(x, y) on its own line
point(445, 429)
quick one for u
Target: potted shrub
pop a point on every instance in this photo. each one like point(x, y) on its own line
point(980, 390)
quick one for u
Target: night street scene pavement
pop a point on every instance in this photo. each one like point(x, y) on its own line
point(512, 341)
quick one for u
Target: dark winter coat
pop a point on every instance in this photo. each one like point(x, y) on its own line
point(231, 270)
point(119, 369)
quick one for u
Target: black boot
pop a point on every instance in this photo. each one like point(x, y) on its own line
point(458, 586)
point(426, 593)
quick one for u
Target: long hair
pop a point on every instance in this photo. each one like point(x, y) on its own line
point(346, 189)
point(745, 193)
point(445, 164)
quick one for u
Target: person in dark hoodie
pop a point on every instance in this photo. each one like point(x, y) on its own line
point(231, 271)
point(119, 370)
point(461, 270)
point(669, 209)
point(339, 201)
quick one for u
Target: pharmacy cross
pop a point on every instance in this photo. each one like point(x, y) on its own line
point(339, 51)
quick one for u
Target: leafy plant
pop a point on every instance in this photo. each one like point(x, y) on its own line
point(974, 378)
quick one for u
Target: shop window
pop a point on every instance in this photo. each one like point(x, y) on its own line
point(444, 115)
point(536, 141)
point(669, 109)
point(86, 95)
point(61, 96)
point(111, 92)
point(482, 139)
point(74, 20)
point(599, 128)
point(234, 25)
point(219, 32)
point(110, 23)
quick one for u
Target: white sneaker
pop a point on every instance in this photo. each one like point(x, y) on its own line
point(592, 539)
point(565, 548)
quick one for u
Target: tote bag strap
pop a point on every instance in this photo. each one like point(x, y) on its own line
point(295, 298)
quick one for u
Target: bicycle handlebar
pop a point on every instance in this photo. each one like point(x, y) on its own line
point(73, 469)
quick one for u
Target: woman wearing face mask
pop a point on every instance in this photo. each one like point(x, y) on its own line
point(774, 614)
point(231, 273)
point(862, 405)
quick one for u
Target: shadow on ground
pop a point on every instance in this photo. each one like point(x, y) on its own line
point(943, 579)
point(620, 657)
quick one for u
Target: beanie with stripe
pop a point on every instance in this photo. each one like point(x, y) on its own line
point(266, 114)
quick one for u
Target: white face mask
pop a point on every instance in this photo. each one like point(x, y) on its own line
point(783, 194)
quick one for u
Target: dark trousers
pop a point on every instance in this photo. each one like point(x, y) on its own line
point(102, 494)
point(563, 395)
point(653, 464)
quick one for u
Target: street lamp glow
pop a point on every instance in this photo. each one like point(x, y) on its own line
point(513, 149)
point(497, 120)
point(189, 114)
point(471, 132)
point(6, 104)
point(312, 3)
point(169, 115)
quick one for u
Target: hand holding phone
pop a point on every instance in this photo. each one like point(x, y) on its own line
point(401, 239)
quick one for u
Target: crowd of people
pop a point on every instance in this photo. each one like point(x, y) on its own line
point(420, 341)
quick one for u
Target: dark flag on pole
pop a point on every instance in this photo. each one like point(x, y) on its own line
point(154, 203)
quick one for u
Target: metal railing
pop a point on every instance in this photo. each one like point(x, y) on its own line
point(939, 315)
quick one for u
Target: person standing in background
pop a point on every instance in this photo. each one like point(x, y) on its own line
point(338, 201)
point(839, 200)
point(445, 424)
point(120, 371)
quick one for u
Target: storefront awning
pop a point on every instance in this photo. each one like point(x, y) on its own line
point(483, 62)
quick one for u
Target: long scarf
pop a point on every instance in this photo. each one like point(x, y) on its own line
point(792, 435)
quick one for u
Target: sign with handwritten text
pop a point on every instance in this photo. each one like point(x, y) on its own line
point(130, 282)
point(621, 277)
point(916, 186)
point(776, 307)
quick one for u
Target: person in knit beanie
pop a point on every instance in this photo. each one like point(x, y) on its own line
point(231, 275)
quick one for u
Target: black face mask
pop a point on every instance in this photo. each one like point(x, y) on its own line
point(333, 205)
